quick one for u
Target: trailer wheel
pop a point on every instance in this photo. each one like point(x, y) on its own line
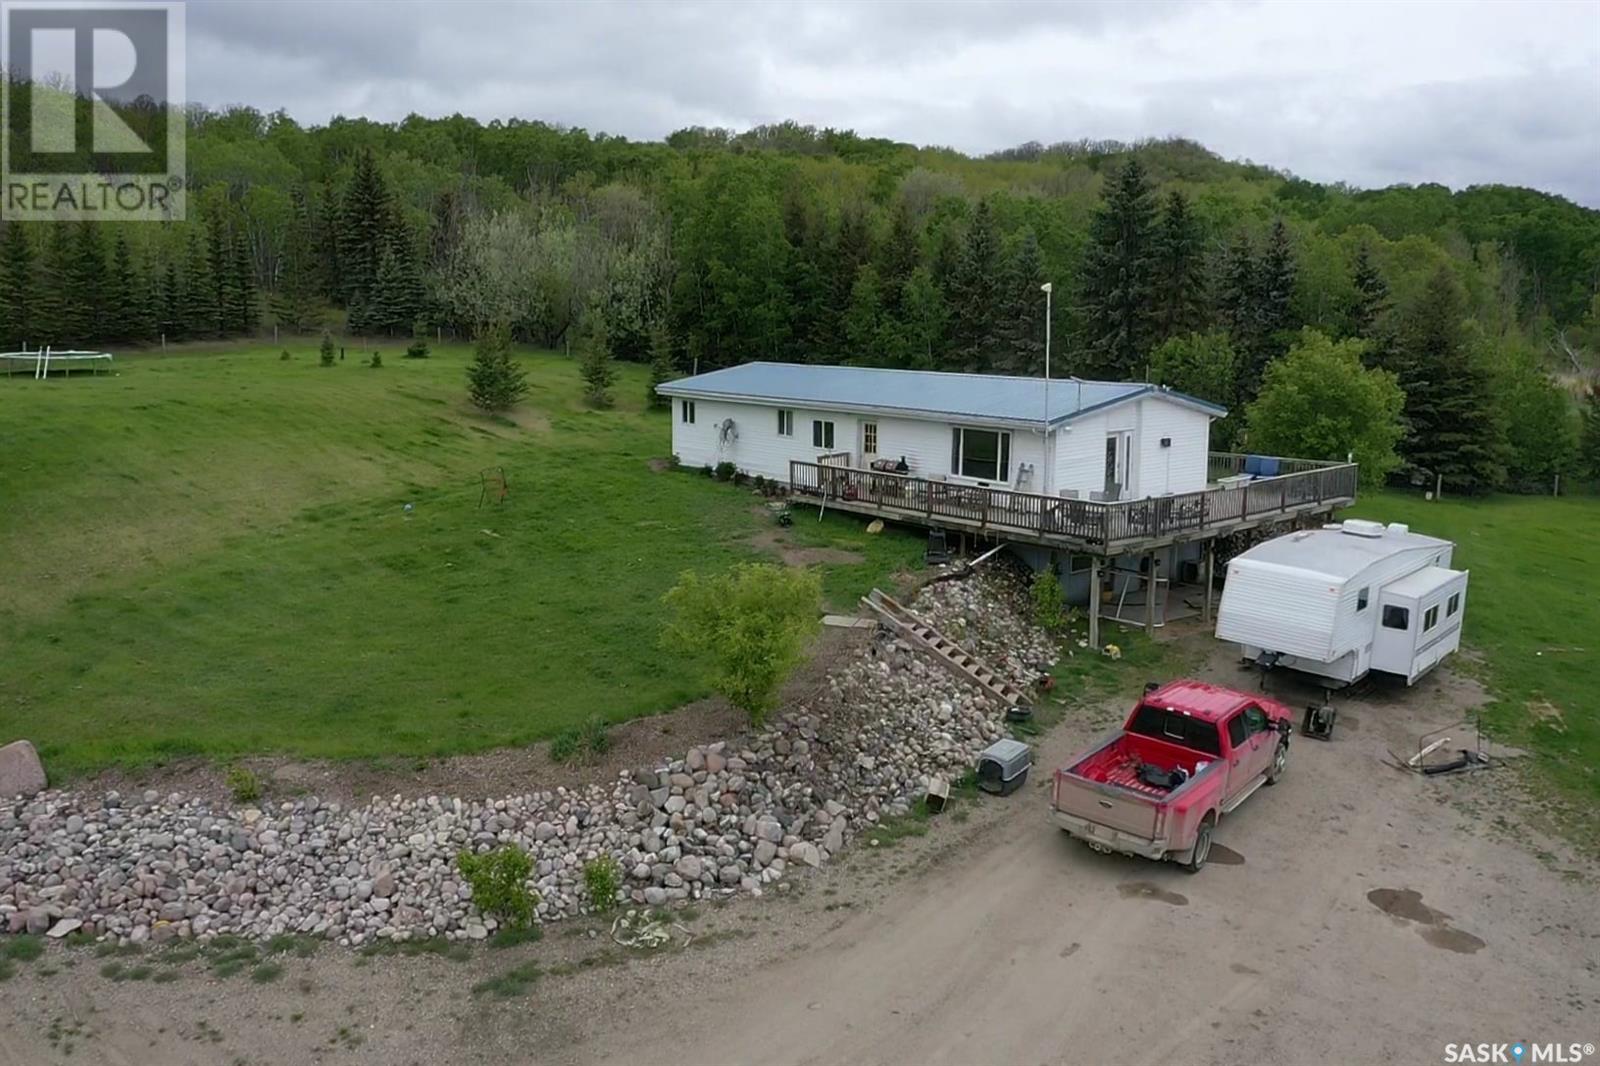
point(1280, 763)
point(1202, 847)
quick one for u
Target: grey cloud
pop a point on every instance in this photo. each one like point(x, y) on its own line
point(976, 77)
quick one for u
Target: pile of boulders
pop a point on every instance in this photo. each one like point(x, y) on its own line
point(726, 818)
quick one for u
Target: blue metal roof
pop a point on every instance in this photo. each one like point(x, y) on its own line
point(980, 397)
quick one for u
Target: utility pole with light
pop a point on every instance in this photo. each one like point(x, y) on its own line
point(1049, 456)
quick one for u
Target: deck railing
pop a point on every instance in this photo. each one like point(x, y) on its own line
point(1091, 522)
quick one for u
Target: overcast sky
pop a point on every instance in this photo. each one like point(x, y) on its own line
point(1366, 92)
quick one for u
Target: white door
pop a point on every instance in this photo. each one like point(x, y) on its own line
point(869, 443)
point(1396, 638)
point(1119, 448)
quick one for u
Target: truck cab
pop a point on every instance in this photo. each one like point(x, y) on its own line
point(1189, 753)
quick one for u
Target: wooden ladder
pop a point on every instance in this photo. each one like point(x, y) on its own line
point(962, 663)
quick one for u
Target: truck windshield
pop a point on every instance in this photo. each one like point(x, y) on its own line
point(1176, 728)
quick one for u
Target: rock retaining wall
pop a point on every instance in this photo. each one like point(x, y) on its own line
point(727, 818)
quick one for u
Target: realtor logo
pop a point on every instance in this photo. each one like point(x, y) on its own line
point(93, 108)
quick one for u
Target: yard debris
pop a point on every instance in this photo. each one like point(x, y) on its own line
point(727, 818)
point(636, 930)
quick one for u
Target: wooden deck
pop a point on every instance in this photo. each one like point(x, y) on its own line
point(1107, 529)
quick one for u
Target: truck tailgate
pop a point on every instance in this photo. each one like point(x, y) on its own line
point(1106, 805)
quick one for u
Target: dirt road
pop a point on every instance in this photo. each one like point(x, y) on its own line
point(1355, 914)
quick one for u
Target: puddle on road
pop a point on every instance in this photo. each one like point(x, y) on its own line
point(1223, 855)
point(1150, 890)
point(1404, 904)
point(1240, 967)
point(1452, 940)
point(1070, 950)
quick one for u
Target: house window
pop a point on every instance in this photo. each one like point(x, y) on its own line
point(821, 434)
point(785, 423)
point(983, 454)
point(1396, 617)
point(1361, 598)
point(1430, 618)
point(1454, 605)
point(1079, 564)
point(869, 438)
point(687, 414)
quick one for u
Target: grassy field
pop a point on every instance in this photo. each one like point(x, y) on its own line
point(209, 554)
point(1533, 614)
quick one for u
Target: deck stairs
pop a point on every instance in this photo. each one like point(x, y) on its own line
point(961, 662)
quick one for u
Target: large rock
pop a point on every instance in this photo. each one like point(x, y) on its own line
point(21, 773)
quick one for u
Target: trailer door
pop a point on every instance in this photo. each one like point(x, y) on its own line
point(1396, 638)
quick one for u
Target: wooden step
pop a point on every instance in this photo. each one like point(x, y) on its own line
point(957, 659)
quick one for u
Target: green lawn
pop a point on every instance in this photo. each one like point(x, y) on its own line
point(1534, 615)
point(208, 553)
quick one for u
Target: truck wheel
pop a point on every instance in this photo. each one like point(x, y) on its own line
point(1280, 763)
point(1202, 848)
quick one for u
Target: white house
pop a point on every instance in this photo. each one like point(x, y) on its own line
point(1067, 438)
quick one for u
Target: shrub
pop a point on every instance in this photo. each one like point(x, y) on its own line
point(244, 785)
point(725, 471)
point(326, 350)
point(749, 626)
point(418, 349)
point(598, 372)
point(708, 471)
point(674, 462)
point(377, 361)
point(284, 356)
point(581, 745)
point(661, 368)
point(1048, 610)
point(602, 878)
point(499, 883)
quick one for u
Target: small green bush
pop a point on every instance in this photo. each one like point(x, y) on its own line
point(725, 471)
point(1049, 612)
point(708, 470)
point(284, 356)
point(244, 785)
point(326, 351)
point(602, 877)
point(499, 883)
point(24, 948)
point(376, 362)
point(581, 745)
point(418, 349)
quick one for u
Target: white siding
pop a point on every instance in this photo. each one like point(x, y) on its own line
point(1182, 466)
point(759, 449)
point(1153, 470)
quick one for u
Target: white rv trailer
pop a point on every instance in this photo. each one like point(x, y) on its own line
point(1339, 601)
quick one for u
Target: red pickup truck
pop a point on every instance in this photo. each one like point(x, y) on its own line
point(1189, 753)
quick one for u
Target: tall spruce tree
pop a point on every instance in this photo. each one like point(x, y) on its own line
point(1370, 317)
point(662, 367)
point(86, 288)
point(1451, 428)
point(16, 287)
point(599, 373)
point(244, 312)
point(364, 228)
point(120, 283)
point(974, 294)
point(1279, 271)
point(1022, 307)
point(199, 291)
point(1180, 282)
point(1117, 287)
point(900, 256)
point(170, 320)
point(294, 297)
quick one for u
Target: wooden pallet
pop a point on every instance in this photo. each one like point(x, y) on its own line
point(961, 662)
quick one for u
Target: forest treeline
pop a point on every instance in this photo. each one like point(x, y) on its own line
point(788, 242)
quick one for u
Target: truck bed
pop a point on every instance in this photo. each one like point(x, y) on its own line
point(1117, 763)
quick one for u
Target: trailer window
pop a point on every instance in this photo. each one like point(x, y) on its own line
point(1361, 598)
point(1174, 727)
point(1454, 605)
point(1430, 618)
point(1396, 617)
